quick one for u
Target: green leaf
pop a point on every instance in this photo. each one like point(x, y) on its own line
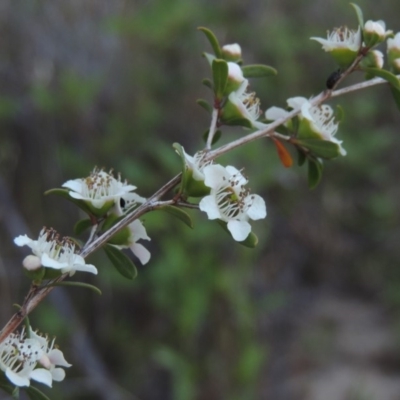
point(35, 394)
point(301, 157)
point(213, 40)
point(238, 122)
point(220, 77)
point(209, 57)
point(6, 385)
point(82, 225)
point(205, 104)
point(185, 172)
point(179, 213)
point(37, 275)
point(15, 393)
point(359, 13)
point(339, 114)
point(207, 82)
point(384, 74)
point(258, 71)
point(65, 194)
point(77, 284)
point(396, 95)
point(320, 148)
point(121, 261)
point(314, 172)
point(216, 137)
point(251, 241)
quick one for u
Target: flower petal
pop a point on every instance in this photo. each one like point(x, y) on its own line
point(239, 229)
point(140, 252)
point(214, 174)
point(58, 374)
point(209, 206)
point(17, 379)
point(42, 375)
point(23, 240)
point(258, 209)
point(56, 357)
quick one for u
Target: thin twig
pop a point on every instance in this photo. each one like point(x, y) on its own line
point(213, 128)
point(36, 296)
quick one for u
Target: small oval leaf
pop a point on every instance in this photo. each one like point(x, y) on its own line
point(207, 82)
point(220, 77)
point(205, 104)
point(359, 13)
point(314, 172)
point(384, 74)
point(35, 394)
point(185, 172)
point(216, 137)
point(396, 95)
point(320, 148)
point(251, 241)
point(77, 284)
point(123, 264)
point(237, 122)
point(212, 39)
point(180, 214)
point(301, 157)
point(65, 193)
point(258, 71)
point(284, 155)
point(6, 386)
point(82, 225)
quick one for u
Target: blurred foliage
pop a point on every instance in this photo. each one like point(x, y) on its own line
point(114, 84)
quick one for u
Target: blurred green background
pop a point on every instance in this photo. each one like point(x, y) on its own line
point(114, 84)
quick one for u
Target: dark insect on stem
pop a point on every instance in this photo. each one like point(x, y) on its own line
point(333, 78)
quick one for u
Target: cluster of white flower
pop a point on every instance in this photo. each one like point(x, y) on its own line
point(103, 193)
point(20, 355)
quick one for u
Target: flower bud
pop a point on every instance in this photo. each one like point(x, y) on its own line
point(235, 78)
point(373, 59)
point(32, 263)
point(232, 52)
point(393, 52)
point(374, 33)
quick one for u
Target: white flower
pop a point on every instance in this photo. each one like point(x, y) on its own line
point(319, 119)
point(341, 38)
point(99, 188)
point(20, 355)
point(343, 44)
point(51, 358)
point(230, 201)
point(53, 252)
point(242, 104)
point(322, 122)
point(196, 164)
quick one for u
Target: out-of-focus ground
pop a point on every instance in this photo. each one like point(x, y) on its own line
point(340, 347)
